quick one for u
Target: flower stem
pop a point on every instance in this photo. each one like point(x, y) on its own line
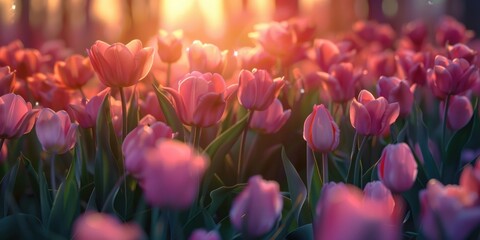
point(325, 167)
point(444, 126)
point(169, 74)
point(124, 113)
point(82, 93)
point(242, 147)
point(356, 174)
point(52, 174)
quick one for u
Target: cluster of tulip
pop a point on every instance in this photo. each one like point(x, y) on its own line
point(149, 142)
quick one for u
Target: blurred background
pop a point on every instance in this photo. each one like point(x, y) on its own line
point(226, 23)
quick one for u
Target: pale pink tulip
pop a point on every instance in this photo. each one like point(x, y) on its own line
point(460, 111)
point(255, 57)
point(55, 132)
point(48, 91)
point(327, 54)
point(320, 130)
point(257, 90)
point(16, 116)
point(396, 90)
point(101, 226)
point(75, 71)
point(397, 168)
point(205, 57)
point(270, 120)
point(150, 105)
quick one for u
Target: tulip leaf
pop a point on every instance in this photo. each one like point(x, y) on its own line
point(315, 189)
point(7, 185)
point(201, 220)
point(169, 112)
point(221, 194)
point(454, 150)
point(133, 114)
point(304, 232)
point(24, 226)
point(296, 187)
point(422, 139)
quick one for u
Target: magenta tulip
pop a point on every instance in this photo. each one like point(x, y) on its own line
point(451, 31)
point(270, 120)
point(397, 168)
point(257, 90)
point(16, 116)
point(327, 54)
point(461, 50)
point(460, 111)
point(395, 90)
point(55, 132)
point(101, 226)
point(320, 130)
point(75, 71)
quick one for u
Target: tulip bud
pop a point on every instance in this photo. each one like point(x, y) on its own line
point(257, 90)
point(205, 57)
point(320, 130)
point(201, 234)
point(100, 226)
point(397, 168)
point(74, 72)
point(460, 112)
point(377, 191)
point(55, 132)
point(461, 50)
point(16, 116)
point(270, 120)
point(169, 46)
point(256, 210)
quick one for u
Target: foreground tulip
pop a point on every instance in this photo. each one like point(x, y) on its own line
point(16, 116)
point(395, 90)
point(55, 132)
point(100, 226)
point(460, 111)
point(120, 65)
point(370, 116)
point(171, 174)
point(340, 82)
point(201, 234)
point(320, 130)
point(470, 179)
point(257, 90)
point(256, 210)
point(74, 72)
point(448, 212)
point(7, 80)
point(270, 120)
point(377, 191)
point(397, 168)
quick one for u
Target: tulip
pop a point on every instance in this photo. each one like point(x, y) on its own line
point(201, 234)
point(257, 208)
point(448, 212)
point(412, 66)
point(470, 179)
point(377, 191)
point(276, 38)
point(381, 64)
point(450, 31)
point(320, 130)
point(327, 54)
point(451, 77)
point(396, 90)
point(416, 32)
point(169, 46)
point(55, 132)
point(120, 65)
point(101, 226)
point(257, 90)
point(461, 50)
point(205, 57)
point(256, 57)
point(340, 82)
point(7, 80)
point(16, 116)
point(397, 168)
point(74, 72)
point(303, 28)
point(171, 174)
point(460, 112)
point(201, 98)
point(48, 92)
point(86, 113)
point(270, 120)
point(372, 32)
point(370, 116)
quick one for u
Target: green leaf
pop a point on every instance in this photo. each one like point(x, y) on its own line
point(296, 187)
point(221, 194)
point(304, 232)
point(40, 185)
point(24, 226)
point(169, 112)
point(133, 114)
point(422, 139)
point(201, 220)
point(316, 189)
point(7, 185)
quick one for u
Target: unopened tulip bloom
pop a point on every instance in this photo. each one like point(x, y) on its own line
point(75, 72)
point(257, 90)
point(205, 57)
point(340, 82)
point(16, 116)
point(377, 191)
point(460, 111)
point(276, 38)
point(397, 168)
point(370, 116)
point(201, 98)
point(150, 105)
point(101, 226)
point(320, 130)
point(461, 50)
point(270, 120)
point(256, 210)
point(327, 54)
point(450, 211)
point(396, 90)
point(451, 31)
point(86, 113)
point(55, 132)
point(470, 179)
point(201, 234)
point(7, 80)
point(120, 65)
point(412, 66)
point(169, 46)
point(171, 174)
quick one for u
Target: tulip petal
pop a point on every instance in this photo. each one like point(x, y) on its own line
point(360, 118)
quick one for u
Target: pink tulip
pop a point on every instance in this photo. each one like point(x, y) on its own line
point(416, 32)
point(150, 105)
point(451, 77)
point(370, 116)
point(377, 191)
point(372, 32)
point(256, 57)
point(320, 130)
point(100, 226)
point(343, 207)
point(169, 46)
point(48, 92)
point(303, 28)
point(120, 65)
point(470, 179)
point(451, 31)
point(270, 120)
point(86, 113)
point(396, 90)
point(7, 80)
point(205, 57)
point(460, 111)
point(381, 64)
point(257, 90)
point(397, 168)
point(201, 234)
point(55, 132)
point(327, 54)
point(450, 211)
point(277, 38)
point(257, 208)
point(340, 82)
point(461, 50)
point(16, 116)
point(24, 61)
point(412, 66)
point(201, 98)
point(171, 174)
point(74, 72)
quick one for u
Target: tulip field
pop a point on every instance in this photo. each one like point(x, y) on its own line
point(368, 134)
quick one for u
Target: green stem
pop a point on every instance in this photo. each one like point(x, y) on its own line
point(444, 127)
point(356, 174)
point(124, 113)
point(114, 189)
point(82, 93)
point(195, 136)
point(52, 174)
point(242, 147)
point(169, 74)
point(325, 168)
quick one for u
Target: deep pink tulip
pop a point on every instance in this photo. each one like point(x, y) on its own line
point(150, 105)
point(257, 208)
point(370, 116)
point(320, 130)
point(381, 64)
point(169, 46)
point(55, 132)
point(277, 38)
point(397, 168)
point(344, 206)
point(172, 174)
point(201, 234)
point(101, 226)
point(257, 90)
point(451, 77)
point(412, 66)
point(16, 116)
point(340, 82)
point(7, 80)
point(270, 120)
point(461, 50)
point(470, 179)
point(327, 54)
point(86, 113)
point(74, 72)
point(450, 210)
point(416, 32)
point(396, 90)
point(120, 65)
point(450, 31)
point(373, 32)
point(377, 191)
point(303, 28)
point(201, 98)
point(205, 57)
point(460, 111)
